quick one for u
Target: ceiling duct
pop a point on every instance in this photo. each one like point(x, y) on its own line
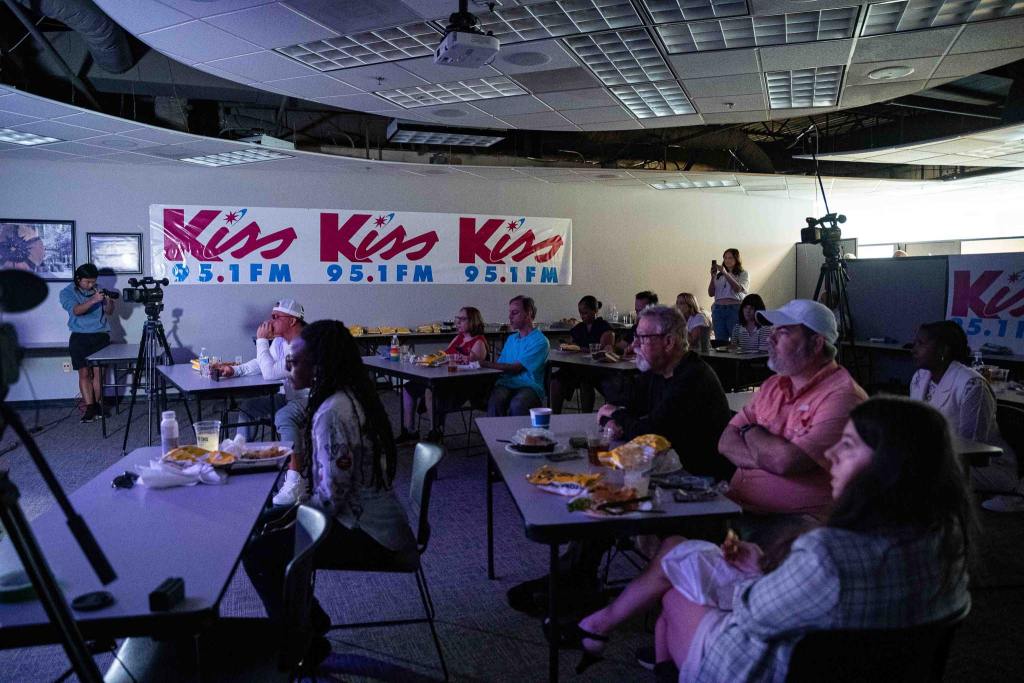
point(107, 42)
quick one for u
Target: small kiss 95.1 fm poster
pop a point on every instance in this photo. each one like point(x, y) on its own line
point(986, 297)
point(203, 245)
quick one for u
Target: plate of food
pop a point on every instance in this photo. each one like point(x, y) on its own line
point(554, 481)
point(569, 348)
point(605, 500)
point(185, 455)
point(433, 360)
point(262, 456)
point(532, 441)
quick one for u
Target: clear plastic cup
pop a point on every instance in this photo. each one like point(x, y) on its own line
point(208, 434)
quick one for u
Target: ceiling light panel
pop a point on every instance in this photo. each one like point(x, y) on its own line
point(449, 93)
point(453, 139)
point(650, 100)
point(910, 15)
point(665, 11)
point(242, 156)
point(368, 47)
point(693, 184)
point(555, 19)
point(775, 29)
point(621, 57)
point(28, 139)
point(818, 87)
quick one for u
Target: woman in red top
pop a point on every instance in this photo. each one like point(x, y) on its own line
point(469, 345)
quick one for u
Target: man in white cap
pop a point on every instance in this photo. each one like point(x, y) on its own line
point(273, 344)
point(779, 439)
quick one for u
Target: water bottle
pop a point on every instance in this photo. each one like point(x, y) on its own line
point(978, 360)
point(613, 314)
point(395, 349)
point(204, 363)
point(168, 431)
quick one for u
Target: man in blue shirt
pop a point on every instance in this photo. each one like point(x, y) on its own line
point(522, 361)
point(88, 308)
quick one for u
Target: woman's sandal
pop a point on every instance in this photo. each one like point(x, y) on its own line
point(571, 637)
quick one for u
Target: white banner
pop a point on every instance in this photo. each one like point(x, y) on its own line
point(986, 297)
point(246, 245)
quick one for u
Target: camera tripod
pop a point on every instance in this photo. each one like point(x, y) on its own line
point(832, 281)
point(153, 350)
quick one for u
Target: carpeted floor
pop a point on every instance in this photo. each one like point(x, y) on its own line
point(483, 639)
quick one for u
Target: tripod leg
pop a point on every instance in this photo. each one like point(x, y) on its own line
point(136, 378)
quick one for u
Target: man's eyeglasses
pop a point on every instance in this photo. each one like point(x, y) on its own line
point(124, 481)
point(646, 338)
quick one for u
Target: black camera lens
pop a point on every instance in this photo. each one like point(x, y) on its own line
point(111, 293)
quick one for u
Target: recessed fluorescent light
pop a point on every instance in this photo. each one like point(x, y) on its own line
point(449, 93)
point(421, 134)
point(18, 138)
point(799, 88)
point(367, 47)
point(554, 19)
point(910, 15)
point(620, 57)
point(694, 184)
point(664, 11)
point(774, 29)
point(649, 100)
point(242, 156)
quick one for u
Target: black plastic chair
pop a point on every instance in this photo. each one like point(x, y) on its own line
point(1010, 419)
point(424, 471)
point(901, 655)
point(238, 649)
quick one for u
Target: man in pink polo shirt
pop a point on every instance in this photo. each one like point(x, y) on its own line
point(778, 440)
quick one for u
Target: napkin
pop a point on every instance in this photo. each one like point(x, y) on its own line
point(161, 475)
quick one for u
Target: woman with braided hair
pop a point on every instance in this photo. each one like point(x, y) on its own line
point(351, 458)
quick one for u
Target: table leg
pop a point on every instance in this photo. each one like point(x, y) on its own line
point(553, 614)
point(489, 480)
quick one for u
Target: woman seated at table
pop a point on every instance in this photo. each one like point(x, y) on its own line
point(591, 330)
point(965, 397)
point(892, 554)
point(698, 323)
point(348, 435)
point(749, 335)
point(467, 346)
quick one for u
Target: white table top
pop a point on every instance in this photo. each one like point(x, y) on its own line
point(733, 355)
point(421, 372)
point(195, 532)
point(546, 516)
point(556, 357)
point(114, 352)
point(189, 381)
point(1010, 396)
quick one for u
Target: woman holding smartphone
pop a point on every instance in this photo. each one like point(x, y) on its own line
point(728, 285)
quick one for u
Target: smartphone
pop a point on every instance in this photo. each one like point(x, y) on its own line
point(714, 263)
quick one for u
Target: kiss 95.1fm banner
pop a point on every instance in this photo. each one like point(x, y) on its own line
point(986, 298)
point(216, 246)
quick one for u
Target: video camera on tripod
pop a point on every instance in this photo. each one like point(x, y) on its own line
point(824, 231)
point(147, 291)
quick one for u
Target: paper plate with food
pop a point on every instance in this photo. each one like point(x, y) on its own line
point(648, 451)
point(262, 456)
point(432, 360)
point(562, 483)
point(185, 455)
point(532, 441)
point(604, 500)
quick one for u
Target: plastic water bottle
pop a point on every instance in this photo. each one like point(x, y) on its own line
point(168, 431)
point(395, 354)
point(204, 363)
point(978, 360)
point(613, 314)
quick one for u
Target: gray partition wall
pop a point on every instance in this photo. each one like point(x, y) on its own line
point(892, 297)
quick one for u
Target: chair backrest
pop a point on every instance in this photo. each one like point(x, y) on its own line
point(424, 471)
point(914, 654)
point(311, 528)
point(1011, 426)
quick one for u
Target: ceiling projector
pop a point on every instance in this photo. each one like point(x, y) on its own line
point(464, 44)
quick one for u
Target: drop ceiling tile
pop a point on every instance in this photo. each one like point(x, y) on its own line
point(990, 35)
point(120, 143)
point(908, 45)
point(958, 65)
point(78, 149)
point(57, 130)
point(767, 7)
point(556, 80)
point(857, 74)
point(597, 115)
point(226, 75)
point(1002, 134)
point(578, 99)
point(730, 103)
point(709, 64)
point(365, 102)
point(197, 41)
point(132, 158)
point(805, 55)
point(261, 66)
point(425, 68)
point(521, 104)
point(430, 9)
point(313, 86)
point(205, 8)
point(160, 136)
point(139, 16)
point(672, 121)
point(350, 16)
point(271, 26)
point(541, 55)
point(907, 156)
point(492, 172)
point(735, 117)
point(780, 114)
point(8, 119)
point(107, 124)
point(27, 105)
point(540, 120)
point(376, 77)
point(860, 95)
point(38, 153)
point(738, 84)
point(965, 145)
point(631, 124)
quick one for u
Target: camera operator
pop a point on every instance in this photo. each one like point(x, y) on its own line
point(88, 308)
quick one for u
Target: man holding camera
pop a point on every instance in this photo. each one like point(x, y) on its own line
point(88, 308)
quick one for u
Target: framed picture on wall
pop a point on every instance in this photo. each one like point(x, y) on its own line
point(121, 252)
point(47, 248)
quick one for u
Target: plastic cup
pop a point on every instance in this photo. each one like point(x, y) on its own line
point(594, 348)
point(596, 443)
point(453, 367)
point(540, 417)
point(208, 434)
point(637, 479)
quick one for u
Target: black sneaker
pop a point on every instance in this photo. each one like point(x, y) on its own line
point(645, 657)
point(91, 413)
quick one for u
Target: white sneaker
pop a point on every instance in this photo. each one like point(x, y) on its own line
point(295, 489)
point(1004, 504)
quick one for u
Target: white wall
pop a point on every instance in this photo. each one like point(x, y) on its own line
point(624, 240)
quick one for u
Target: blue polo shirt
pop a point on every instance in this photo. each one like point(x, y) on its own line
point(532, 352)
point(94, 320)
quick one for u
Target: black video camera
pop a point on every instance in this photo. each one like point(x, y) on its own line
point(111, 293)
point(145, 291)
point(822, 230)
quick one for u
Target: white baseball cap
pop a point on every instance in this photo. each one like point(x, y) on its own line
point(804, 312)
point(290, 307)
